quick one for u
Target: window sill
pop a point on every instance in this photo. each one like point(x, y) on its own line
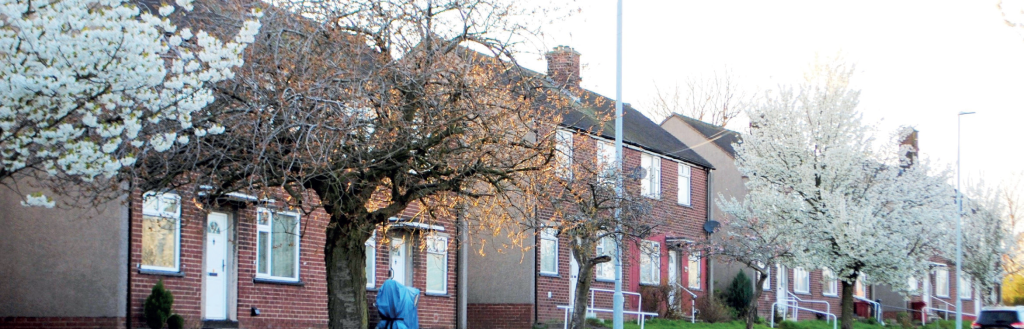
point(830, 295)
point(651, 284)
point(161, 272)
point(437, 294)
point(604, 280)
point(802, 292)
point(550, 275)
point(685, 205)
point(280, 282)
point(371, 289)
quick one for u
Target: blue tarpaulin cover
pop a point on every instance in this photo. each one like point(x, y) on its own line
point(396, 305)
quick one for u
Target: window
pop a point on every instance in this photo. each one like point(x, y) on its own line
point(606, 158)
point(964, 288)
point(829, 283)
point(650, 184)
point(563, 153)
point(913, 286)
point(684, 184)
point(437, 264)
point(606, 270)
point(161, 231)
point(767, 281)
point(941, 282)
point(693, 271)
point(650, 262)
point(371, 261)
point(277, 255)
point(549, 251)
point(858, 287)
point(801, 280)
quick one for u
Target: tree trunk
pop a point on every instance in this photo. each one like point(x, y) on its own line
point(846, 318)
point(583, 281)
point(345, 257)
point(752, 307)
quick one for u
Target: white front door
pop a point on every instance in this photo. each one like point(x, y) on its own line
point(216, 292)
point(399, 256)
point(673, 275)
point(574, 275)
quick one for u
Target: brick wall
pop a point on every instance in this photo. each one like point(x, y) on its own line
point(499, 316)
point(62, 322)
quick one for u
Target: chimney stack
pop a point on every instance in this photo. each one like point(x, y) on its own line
point(564, 66)
point(908, 147)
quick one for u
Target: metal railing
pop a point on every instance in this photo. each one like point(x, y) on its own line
point(641, 316)
point(876, 305)
point(835, 319)
point(639, 302)
point(791, 297)
point(946, 309)
point(693, 306)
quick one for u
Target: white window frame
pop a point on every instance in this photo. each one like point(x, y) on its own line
point(371, 253)
point(606, 268)
point(563, 153)
point(270, 234)
point(652, 251)
point(942, 290)
point(830, 283)
point(801, 281)
point(913, 286)
point(767, 286)
point(650, 185)
point(437, 245)
point(965, 281)
point(551, 235)
point(605, 155)
point(158, 212)
point(683, 182)
point(694, 257)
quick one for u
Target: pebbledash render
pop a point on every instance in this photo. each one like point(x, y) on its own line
point(516, 289)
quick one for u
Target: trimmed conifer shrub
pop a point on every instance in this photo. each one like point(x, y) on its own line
point(157, 307)
point(739, 293)
point(175, 322)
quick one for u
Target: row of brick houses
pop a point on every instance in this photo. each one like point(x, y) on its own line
point(814, 288)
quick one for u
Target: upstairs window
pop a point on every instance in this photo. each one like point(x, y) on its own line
point(277, 246)
point(161, 231)
point(684, 184)
point(913, 287)
point(964, 288)
point(563, 153)
point(941, 282)
point(605, 247)
point(606, 158)
point(650, 184)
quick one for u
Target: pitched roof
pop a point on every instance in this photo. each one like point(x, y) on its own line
point(722, 137)
point(638, 130)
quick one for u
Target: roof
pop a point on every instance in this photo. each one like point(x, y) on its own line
point(722, 137)
point(590, 108)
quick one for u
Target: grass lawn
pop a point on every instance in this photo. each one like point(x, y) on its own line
point(684, 324)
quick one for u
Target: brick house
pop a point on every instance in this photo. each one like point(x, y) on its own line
point(517, 289)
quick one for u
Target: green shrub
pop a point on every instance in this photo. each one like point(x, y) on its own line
point(157, 307)
point(870, 321)
point(175, 322)
point(788, 324)
point(712, 310)
point(903, 318)
point(739, 293)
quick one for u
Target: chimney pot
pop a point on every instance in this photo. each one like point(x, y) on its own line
point(564, 66)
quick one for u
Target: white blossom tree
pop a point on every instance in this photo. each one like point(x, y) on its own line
point(85, 85)
point(810, 158)
point(988, 241)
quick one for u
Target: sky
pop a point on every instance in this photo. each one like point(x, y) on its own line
point(918, 63)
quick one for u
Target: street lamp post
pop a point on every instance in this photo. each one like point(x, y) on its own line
point(959, 232)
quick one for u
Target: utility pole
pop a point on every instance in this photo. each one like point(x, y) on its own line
point(617, 299)
point(959, 231)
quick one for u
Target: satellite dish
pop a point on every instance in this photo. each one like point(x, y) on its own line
point(637, 173)
point(710, 226)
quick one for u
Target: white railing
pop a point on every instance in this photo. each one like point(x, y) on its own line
point(795, 300)
point(946, 309)
point(827, 315)
point(639, 301)
point(876, 305)
point(693, 306)
point(641, 316)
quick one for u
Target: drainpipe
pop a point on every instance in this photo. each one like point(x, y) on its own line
point(462, 263)
point(709, 208)
point(128, 259)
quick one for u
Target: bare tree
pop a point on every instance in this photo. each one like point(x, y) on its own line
point(715, 99)
point(365, 108)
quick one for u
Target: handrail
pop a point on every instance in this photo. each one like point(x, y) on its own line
point(641, 316)
point(877, 306)
point(639, 302)
point(797, 299)
point(835, 320)
point(693, 306)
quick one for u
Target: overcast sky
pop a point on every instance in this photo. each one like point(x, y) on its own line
point(918, 63)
